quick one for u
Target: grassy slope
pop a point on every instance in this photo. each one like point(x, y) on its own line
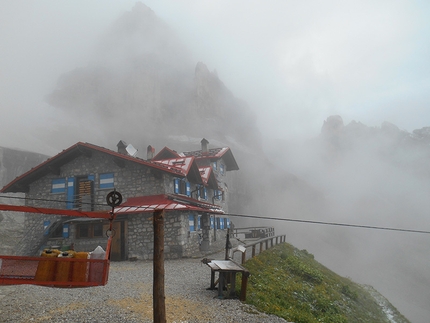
point(289, 283)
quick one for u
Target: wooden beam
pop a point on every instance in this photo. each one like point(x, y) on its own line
point(159, 305)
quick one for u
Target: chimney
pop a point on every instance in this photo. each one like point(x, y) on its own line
point(150, 151)
point(204, 143)
point(122, 145)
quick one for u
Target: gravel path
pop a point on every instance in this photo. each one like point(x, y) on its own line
point(128, 298)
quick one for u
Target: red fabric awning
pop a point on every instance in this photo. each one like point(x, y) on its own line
point(165, 202)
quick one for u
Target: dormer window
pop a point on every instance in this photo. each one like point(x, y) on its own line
point(181, 186)
point(202, 193)
point(178, 162)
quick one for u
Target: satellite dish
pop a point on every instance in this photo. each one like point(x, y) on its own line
point(131, 150)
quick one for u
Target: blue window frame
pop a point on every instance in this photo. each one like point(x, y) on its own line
point(70, 193)
point(217, 195)
point(222, 169)
point(106, 180)
point(181, 186)
point(202, 193)
point(191, 222)
point(58, 185)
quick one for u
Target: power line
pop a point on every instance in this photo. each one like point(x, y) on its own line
point(264, 218)
point(328, 223)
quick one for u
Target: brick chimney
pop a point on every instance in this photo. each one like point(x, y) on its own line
point(204, 143)
point(150, 151)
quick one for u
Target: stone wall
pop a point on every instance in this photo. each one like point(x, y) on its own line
point(11, 225)
point(141, 235)
point(130, 180)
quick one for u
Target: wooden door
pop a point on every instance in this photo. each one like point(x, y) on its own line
point(118, 251)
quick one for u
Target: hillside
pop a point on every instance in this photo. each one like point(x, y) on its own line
point(290, 283)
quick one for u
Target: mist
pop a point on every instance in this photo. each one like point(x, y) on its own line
point(261, 78)
point(369, 176)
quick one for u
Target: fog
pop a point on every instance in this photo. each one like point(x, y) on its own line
point(76, 71)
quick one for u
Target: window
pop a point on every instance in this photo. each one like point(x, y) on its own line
point(222, 169)
point(191, 223)
point(106, 181)
point(214, 165)
point(97, 230)
point(218, 194)
point(181, 186)
point(202, 193)
point(89, 230)
point(56, 232)
point(80, 193)
point(58, 185)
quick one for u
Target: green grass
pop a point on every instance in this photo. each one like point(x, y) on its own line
point(289, 283)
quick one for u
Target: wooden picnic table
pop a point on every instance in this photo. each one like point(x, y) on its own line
point(227, 270)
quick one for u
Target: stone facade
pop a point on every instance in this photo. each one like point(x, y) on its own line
point(131, 179)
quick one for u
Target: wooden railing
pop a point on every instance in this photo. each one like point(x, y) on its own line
point(262, 244)
point(254, 232)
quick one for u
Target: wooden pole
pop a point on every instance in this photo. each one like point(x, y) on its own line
point(159, 304)
point(227, 244)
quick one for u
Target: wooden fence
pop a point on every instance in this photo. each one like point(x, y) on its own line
point(258, 246)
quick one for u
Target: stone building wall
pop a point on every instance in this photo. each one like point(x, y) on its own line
point(130, 180)
point(141, 235)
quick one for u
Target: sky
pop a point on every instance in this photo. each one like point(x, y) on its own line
point(294, 62)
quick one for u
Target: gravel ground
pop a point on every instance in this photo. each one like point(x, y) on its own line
point(128, 298)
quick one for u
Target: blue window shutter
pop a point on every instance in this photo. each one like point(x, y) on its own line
point(46, 224)
point(205, 193)
point(107, 180)
point(176, 185)
point(91, 178)
point(221, 169)
point(221, 223)
point(58, 185)
point(191, 222)
point(212, 222)
point(188, 186)
point(66, 230)
point(70, 193)
point(228, 223)
point(198, 221)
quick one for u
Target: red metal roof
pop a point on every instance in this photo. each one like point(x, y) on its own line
point(166, 153)
point(208, 177)
point(170, 202)
point(182, 164)
point(216, 153)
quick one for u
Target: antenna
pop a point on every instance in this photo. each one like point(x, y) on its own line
point(131, 150)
